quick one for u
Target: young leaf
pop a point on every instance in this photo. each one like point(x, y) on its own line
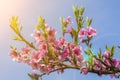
point(81, 10)
point(88, 21)
point(16, 38)
point(113, 50)
point(108, 48)
point(76, 11)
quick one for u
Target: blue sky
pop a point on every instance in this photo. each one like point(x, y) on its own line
point(106, 19)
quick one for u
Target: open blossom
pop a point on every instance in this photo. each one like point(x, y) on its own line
point(26, 49)
point(38, 36)
point(91, 32)
point(61, 42)
point(43, 47)
point(77, 50)
point(51, 33)
point(82, 33)
point(65, 53)
point(15, 55)
point(37, 56)
point(33, 65)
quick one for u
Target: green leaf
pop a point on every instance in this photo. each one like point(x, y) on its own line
point(81, 10)
point(87, 52)
point(40, 24)
point(61, 20)
point(88, 21)
point(113, 50)
point(76, 11)
point(74, 32)
point(108, 48)
point(16, 38)
point(100, 54)
point(51, 51)
point(33, 77)
point(90, 60)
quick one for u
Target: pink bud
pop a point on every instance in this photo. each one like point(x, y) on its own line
point(84, 70)
point(106, 54)
point(68, 21)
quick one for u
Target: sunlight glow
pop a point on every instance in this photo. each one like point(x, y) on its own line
point(9, 8)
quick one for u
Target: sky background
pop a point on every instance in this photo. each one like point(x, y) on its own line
point(106, 19)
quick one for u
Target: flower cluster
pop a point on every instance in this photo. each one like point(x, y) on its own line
point(51, 53)
point(48, 54)
point(107, 64)
point(89, 32)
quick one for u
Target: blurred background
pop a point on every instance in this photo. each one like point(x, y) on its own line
point(106, 20)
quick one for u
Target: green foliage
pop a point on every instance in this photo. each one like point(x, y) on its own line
point(111, 50)
point(64, 25)
point(88, 21)
point(81, 10)
point(40, 24)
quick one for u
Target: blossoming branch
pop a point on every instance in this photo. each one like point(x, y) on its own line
point(48, 54)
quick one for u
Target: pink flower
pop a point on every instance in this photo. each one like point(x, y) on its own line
point(82, 33)
point(72, 45)
point(38, 36)
point(107, 62)
point(15, 55)
point(51, 33)
point(60, 58)
point(96, 67)
point(65, 53)
point(68, 21)
point(77, 50)
point(26, 49)
point(43, 47)
point(61, 42)
point(80, 60)
point(116, 63)
point(84, 70)
point(43, 68)
point(34, 65)
point(37, 56)
point(91, 32)
point(49, 68)
point(69, 30)
point(96, 62)
point(107, 54)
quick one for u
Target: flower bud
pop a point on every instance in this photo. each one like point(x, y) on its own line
point(106, 54)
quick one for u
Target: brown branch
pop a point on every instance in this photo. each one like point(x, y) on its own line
point(62, 68)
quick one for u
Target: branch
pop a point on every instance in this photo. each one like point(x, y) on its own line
point(70, 67)
point(26, 42)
